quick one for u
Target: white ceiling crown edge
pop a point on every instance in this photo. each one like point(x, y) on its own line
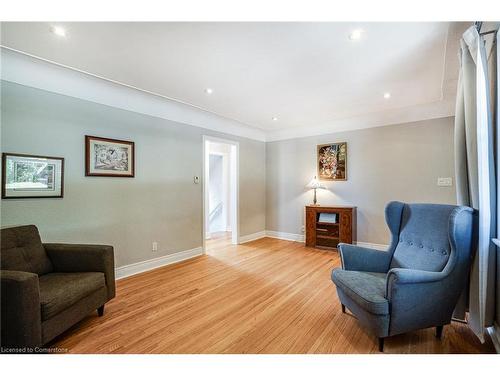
point(28, 70)
point(421, 112)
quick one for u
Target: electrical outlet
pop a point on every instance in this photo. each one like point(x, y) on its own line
point(155, 246)
point(302, 229)
point(444, 181)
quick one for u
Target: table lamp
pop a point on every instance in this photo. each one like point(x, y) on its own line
point(315, 184)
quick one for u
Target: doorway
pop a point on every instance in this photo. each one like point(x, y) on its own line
point(220, 191)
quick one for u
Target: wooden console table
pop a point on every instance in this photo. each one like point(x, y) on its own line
point(327, 231)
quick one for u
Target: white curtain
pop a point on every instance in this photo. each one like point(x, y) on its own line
point(496, 91)
point(475, 123)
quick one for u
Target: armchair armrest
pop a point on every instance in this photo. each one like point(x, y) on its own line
point(412, 276)
point(415, 286)
point(420, 298)
point(21, 317)
point(84, 258)
point(357, 258)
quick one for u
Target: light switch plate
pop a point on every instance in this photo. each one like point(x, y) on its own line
point(445, 181)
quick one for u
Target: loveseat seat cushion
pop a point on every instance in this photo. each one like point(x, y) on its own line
point(22, 250)
point(366, 289)
point(59, 291)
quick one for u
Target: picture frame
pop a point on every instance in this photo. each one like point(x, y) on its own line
point(107, 157)
point(32, 176)
point(332, 161)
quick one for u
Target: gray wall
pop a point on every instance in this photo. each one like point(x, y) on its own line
point(398, 162)
point(160, 204)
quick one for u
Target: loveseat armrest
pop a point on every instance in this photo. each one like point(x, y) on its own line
point(357, 258)
point(21, 317)
point(84, 258)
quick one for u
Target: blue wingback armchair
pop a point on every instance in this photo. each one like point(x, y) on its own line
point(417, 282)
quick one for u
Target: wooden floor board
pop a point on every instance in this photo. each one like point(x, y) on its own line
point(265, 296)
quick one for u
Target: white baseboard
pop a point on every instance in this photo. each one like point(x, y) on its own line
point(494, 333)
point(285, 236)
point(147, 265)
point(252, 237)
point(376, 246)
point(300, 238)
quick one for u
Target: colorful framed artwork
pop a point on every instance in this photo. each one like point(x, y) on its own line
point(332, 161)
point(105, 157)
point(32, 176)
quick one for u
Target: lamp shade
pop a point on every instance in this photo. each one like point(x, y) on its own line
point(315, 184)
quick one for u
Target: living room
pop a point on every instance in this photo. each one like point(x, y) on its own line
point(194, 186)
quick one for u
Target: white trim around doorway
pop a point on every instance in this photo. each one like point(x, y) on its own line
point(234, 183)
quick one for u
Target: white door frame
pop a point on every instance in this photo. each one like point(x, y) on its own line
point(234, 187)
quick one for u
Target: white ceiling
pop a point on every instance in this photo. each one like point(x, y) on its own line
point(308, 75)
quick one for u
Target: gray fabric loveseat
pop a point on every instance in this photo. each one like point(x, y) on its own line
point(47, 288)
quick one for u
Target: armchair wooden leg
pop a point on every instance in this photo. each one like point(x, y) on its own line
point(343, 309)
point(381, 344)
point(439, 332)
point(100, 311)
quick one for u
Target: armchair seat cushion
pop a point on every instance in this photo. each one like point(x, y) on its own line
point(58, 291)
point(366, 289)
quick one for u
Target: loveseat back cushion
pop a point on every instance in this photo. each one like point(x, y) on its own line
point(423, 237)
point(22, 250)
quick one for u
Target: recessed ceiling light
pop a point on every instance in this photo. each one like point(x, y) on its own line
point(209, 91)
point(387, 95)
point(356, 34)
point(58, 30)
point(275, 119)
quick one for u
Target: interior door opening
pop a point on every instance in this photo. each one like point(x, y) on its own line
point(220, 191)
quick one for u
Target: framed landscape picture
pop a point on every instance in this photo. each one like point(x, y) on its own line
point(32, 176)
point(109, 157)
point(332, 161)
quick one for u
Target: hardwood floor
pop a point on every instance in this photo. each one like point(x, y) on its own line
point(266, 296)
